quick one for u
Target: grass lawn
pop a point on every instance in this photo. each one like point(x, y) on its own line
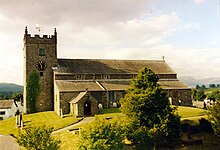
point(183, 111)
point(187, 112)
point(69, 140)
point(48, 118)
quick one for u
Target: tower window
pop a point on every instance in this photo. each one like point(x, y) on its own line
point(41, 73)
point(42, 52)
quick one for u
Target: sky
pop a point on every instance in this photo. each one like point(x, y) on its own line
point(185, 32)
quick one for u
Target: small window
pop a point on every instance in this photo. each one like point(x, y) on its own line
point(42, 52)
point(80, 77)
point(41, 74)
point(112, 96)
point(2, 112)
point(105, 76)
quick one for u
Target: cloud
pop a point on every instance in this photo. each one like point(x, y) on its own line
point(130, 34)
point(89, 12)
point(199, 1)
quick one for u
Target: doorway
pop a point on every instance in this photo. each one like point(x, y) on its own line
point(87, 108)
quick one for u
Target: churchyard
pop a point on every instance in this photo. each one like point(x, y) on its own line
point(69, 138)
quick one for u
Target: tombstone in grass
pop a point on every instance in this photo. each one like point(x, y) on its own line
point(114, 105)
point(100, 106)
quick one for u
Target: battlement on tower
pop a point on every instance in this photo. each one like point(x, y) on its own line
point(37, 39)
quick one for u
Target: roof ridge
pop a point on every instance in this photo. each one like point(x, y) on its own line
point(111, 59)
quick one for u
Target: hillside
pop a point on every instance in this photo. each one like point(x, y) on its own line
point(10, 87)
point(192, 82)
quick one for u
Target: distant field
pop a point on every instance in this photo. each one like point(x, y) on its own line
point(48, 118)
point(209, 90)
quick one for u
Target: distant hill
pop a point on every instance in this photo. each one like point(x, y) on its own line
point(10, 87)
point(192, 82)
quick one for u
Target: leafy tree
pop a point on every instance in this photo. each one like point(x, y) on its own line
point(212, 85)
point(203, 87)
point(214, 117)
point(200, 95)
point(33, 88)
point(17, 96)
point(38, 138)
point(194, 92)
point(152, 119)
point(101, 134)
point(197, 87)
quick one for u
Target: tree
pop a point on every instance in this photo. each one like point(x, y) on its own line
point(37, 138)
point(17, 96)
point(33, 88)
point(203, 87)
point(212, 86)
point(194, 92)
point(214, 115)
point(101, 134)
point(146, 104)
point(200, 95)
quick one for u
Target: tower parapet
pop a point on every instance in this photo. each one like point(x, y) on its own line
point(37, 39)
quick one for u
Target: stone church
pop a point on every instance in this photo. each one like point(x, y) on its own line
point(82, 86)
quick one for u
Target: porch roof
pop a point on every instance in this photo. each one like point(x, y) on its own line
point(78, 98)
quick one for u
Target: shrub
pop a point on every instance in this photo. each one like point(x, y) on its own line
point(205, 125)
point(190, 126)
point(101, 134)
point(214, 115)
point(37, 138)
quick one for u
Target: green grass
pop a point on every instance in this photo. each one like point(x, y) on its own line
point(109, 110)
point(183, 111)
point(187, 112)
point(48, 118)
point(68, 140)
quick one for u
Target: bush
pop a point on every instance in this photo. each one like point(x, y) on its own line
point(214, 115)
point(205, 125)
point(37, 138)
point(192, 126)
point(101, 134)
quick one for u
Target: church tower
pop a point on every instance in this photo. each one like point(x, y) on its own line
point(40, 54)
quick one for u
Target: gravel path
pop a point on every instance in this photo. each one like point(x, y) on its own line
point(85, 120)
point(8, 143)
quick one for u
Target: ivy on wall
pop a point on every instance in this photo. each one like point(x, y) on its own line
point(33, 88)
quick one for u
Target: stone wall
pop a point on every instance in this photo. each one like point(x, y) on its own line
point(181, 97)
point(65, 98)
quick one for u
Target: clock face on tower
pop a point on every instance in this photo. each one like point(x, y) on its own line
point(41, 66)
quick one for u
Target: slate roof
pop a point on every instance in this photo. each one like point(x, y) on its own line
point(111, 85)
point(65, 86)
point(116, 85)
point(5, 104)
point(105, 66)
point(173, 84)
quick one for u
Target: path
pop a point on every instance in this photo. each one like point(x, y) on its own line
point(85, 120)
point(8, 143)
